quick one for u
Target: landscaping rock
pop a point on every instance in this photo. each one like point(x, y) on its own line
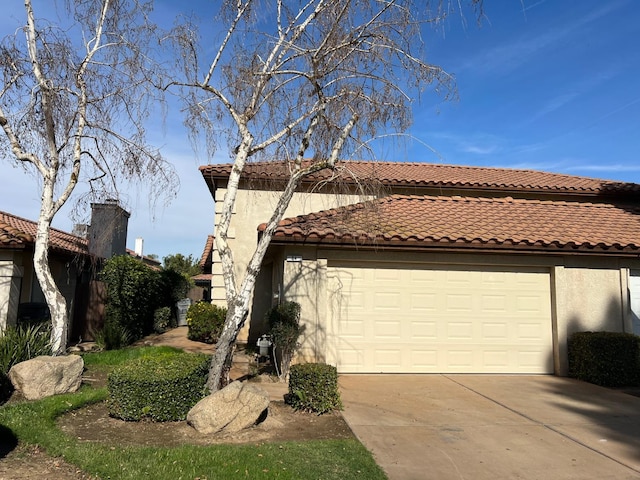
point(45, 376)
point(237, 406)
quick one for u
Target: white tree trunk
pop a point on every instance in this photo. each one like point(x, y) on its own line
point(56, 302)
point(238, 300)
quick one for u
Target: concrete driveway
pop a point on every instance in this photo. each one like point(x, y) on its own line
point(479, 427)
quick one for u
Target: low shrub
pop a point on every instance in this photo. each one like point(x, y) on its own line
point(313, 387)
point(18, 344)
point(162, 319)
point(205, 322)
point(113, 336)
point(158, 389)
point(23, 343)
point(610, 359)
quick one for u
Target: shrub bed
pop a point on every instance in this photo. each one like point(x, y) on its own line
point(159, 389)
point(609, 359)
point(313, 387)
point(205, 322)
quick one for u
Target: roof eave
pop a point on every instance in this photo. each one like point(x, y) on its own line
point(457, 247)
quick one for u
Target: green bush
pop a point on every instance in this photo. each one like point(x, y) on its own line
point(284, 321)
point(23, 343)
point(160, 389)
point(205, 322)
point(610, 359)
point(314, 387)
point(18, 345)
point(162, 319)
point(113, 336)
point(133, 294)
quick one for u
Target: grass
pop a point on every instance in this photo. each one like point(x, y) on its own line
point(112, 358)
point(35, 423)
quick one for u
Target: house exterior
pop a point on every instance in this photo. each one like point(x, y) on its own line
point(443, 269)
point(202, 289)
point(74, 259)
point(68, 258)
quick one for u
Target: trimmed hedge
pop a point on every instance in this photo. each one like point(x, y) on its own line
point(313, 387)
point(610, 359)
point(160, 389)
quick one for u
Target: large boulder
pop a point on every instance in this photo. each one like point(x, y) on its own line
point(237, 406)
point(45, 376)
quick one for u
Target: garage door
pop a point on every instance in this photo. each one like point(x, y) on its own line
point(426, 319)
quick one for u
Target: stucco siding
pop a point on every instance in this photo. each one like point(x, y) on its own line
point(588, 293)
point(589, 297)
point(252, 208)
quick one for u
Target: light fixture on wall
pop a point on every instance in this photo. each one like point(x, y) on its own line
point(294, 258)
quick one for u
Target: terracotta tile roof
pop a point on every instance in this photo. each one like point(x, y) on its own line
point(202, 278)
point(489, 223)
point(403, 174)
point(206, 259)
point(16, 232)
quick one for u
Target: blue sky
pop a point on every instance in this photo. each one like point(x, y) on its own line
point(549, 85)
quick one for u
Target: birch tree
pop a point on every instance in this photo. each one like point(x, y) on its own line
point(307, 82)
point(74, 95)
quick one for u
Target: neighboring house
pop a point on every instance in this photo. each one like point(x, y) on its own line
point(68, 258)
point(202, 289)
point(74, 259)
point(447, 268)
point(154, 263)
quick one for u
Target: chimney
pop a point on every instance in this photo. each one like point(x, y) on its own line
point(80, 230)
point(138, 247)
point(108, 229)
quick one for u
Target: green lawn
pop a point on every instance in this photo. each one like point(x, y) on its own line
point(34, 423)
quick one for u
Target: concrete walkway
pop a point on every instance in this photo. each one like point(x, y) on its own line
point(494, 427)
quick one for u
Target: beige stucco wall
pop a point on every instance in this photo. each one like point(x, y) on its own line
point(588, 293)
point(252, 208)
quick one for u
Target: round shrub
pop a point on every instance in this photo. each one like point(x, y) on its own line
point(313, 387)
point(161, 389)
point(205, 322)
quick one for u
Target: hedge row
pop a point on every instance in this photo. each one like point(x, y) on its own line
point(609, 359)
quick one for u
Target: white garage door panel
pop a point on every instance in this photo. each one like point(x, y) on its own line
point(431, 320)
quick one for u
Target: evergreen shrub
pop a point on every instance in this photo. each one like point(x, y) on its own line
point(313, 387)
point(285, 331)
point(205, 322)
point(162, 320)
point(610, 359)
point(160, 389)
